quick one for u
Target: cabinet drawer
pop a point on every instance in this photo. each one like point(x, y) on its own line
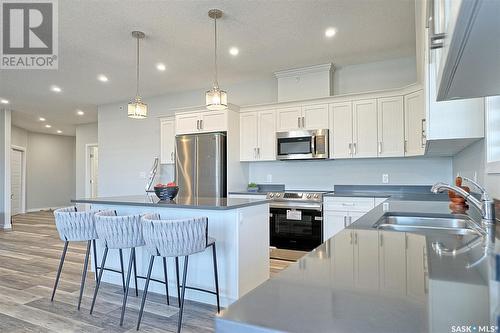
point(349, 204)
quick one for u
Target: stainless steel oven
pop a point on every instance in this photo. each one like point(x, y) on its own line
point(296, 221)
point(302, 145)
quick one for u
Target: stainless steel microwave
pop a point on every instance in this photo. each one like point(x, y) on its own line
point(302, 145)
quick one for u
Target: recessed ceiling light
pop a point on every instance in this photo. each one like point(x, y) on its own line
point(80, 112)
point(234, 51)
point(102, 78)
point(59, 131)
point(161, 67)
point(330, 32)
point(41, 119)
point(48, 126)
point(56, 89)
point(4, 101)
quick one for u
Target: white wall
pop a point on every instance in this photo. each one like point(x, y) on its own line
point(19, 137)
point(85, 134)
point(323, 175)
point(5, 138)
point(393, 73)
point(50, 170)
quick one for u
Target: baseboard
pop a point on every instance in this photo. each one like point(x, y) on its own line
point(6, 226)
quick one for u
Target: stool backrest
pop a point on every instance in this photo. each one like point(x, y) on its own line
point(174, 238)
point(74, 225)
point(119, 232)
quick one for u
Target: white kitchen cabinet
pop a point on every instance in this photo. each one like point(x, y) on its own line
point(390, 124)
point(306, 117)
point(258, 136)
point(334, 222)
point(201, 122)
point(364, 128)
point(167, 140)
point(343, 260)
point(341, 130)
point(340, 212)
point(249, 136)
point(414, 109)
point(392, 250)
point(351, 204)
point(416, 267)
point(366, 270)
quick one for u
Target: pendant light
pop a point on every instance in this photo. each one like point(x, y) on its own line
point(216, 99)
point(136, 108)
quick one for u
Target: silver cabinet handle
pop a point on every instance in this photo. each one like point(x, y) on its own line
point(345, 221)
point(380, 147)
point(436, 40)
point(405, 146)
point(354, 148)
point(201, 124)
point(303, 122)
point(198, 124)
point(350, 149)
point(258, 152)
point(423, 135)
point(298, 122)
point(172, 156)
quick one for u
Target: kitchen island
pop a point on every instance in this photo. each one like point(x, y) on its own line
point(371, 279)
point(240, 227)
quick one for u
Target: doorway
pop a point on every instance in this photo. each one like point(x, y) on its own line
point(92, 163)
point(18, 180)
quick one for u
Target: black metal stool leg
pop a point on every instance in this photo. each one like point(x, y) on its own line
point(101, 271)
point(166, 278)
point(216, 275)
point(122, 269)
point(84, 273)
point(178, 281)
point(59, 270)
point(135, 276)
point(129, 273)
point(146, 286)
point(95, 259)
point(181, 310)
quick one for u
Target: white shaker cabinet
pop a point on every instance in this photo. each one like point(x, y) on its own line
point(267, 135)
point(414, 108)
point(341, 130)
point(364, 128)
point(201, 122)
point(258, 136)
point(390, 127)
point(289, 119)
point(167, 140)
point(187, 123)
point(249, 132)
point(305, 117)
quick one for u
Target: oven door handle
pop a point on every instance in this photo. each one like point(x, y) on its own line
point(313, 145)
point(297, 206)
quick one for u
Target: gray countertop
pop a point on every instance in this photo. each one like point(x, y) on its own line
point(210, 203)
point(363, 284)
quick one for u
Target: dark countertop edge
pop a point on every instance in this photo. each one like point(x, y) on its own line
point(174, 206)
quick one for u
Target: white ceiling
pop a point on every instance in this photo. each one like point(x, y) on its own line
point(94, 38)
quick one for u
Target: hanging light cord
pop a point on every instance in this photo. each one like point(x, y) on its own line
point(137, 68)
point(216, 82)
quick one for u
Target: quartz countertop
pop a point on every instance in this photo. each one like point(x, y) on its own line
point(369, 280)
point(211, 203)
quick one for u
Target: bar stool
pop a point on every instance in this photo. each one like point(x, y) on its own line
point(175, 238)
point(75, 226)
point(121, 232)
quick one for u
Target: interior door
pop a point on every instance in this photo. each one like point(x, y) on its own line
point(93, 174)
point(249, 130)
point(16, 162)
point(364, 128)
point(267, 135)
point(341, 136)
point(390, 126)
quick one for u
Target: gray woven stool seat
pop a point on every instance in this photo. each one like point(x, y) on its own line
point(176, 238)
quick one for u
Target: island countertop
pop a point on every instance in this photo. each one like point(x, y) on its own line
point(210, 203)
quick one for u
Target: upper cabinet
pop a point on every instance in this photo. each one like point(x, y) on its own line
point(201, 122)
point(364, 128)
point(306, 117)
point(167, 140)
point(341, 130)
point(258, 136)
point(414, 116)
point(390, 123)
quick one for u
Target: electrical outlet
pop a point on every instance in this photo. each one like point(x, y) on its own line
point(269, 178)
point(385, 178)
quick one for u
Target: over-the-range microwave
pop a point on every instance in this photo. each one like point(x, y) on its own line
point(302, 145)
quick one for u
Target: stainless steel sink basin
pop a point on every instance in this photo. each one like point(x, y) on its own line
point(455, 225)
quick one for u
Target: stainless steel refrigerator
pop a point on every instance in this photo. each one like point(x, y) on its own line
point(200, 165)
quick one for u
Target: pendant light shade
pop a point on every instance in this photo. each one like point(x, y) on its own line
point(136, 108)
point(216, 99)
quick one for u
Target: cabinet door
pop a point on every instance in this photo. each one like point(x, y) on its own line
point(333, 223)
point(392, 262)
point(366, 260)
point(341, 130)
point(416, 267)
point(364, 128)
point(249, 130)
point(187, 123)
point(267, 136)
point(315, 117)
point(390, 126)
point(289, 119)
point(354, 216)
point(343, 259)
point(167, 143)
point(214, 121)
point(414, 108)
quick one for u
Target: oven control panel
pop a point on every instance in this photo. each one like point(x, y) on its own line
point(300, 196)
